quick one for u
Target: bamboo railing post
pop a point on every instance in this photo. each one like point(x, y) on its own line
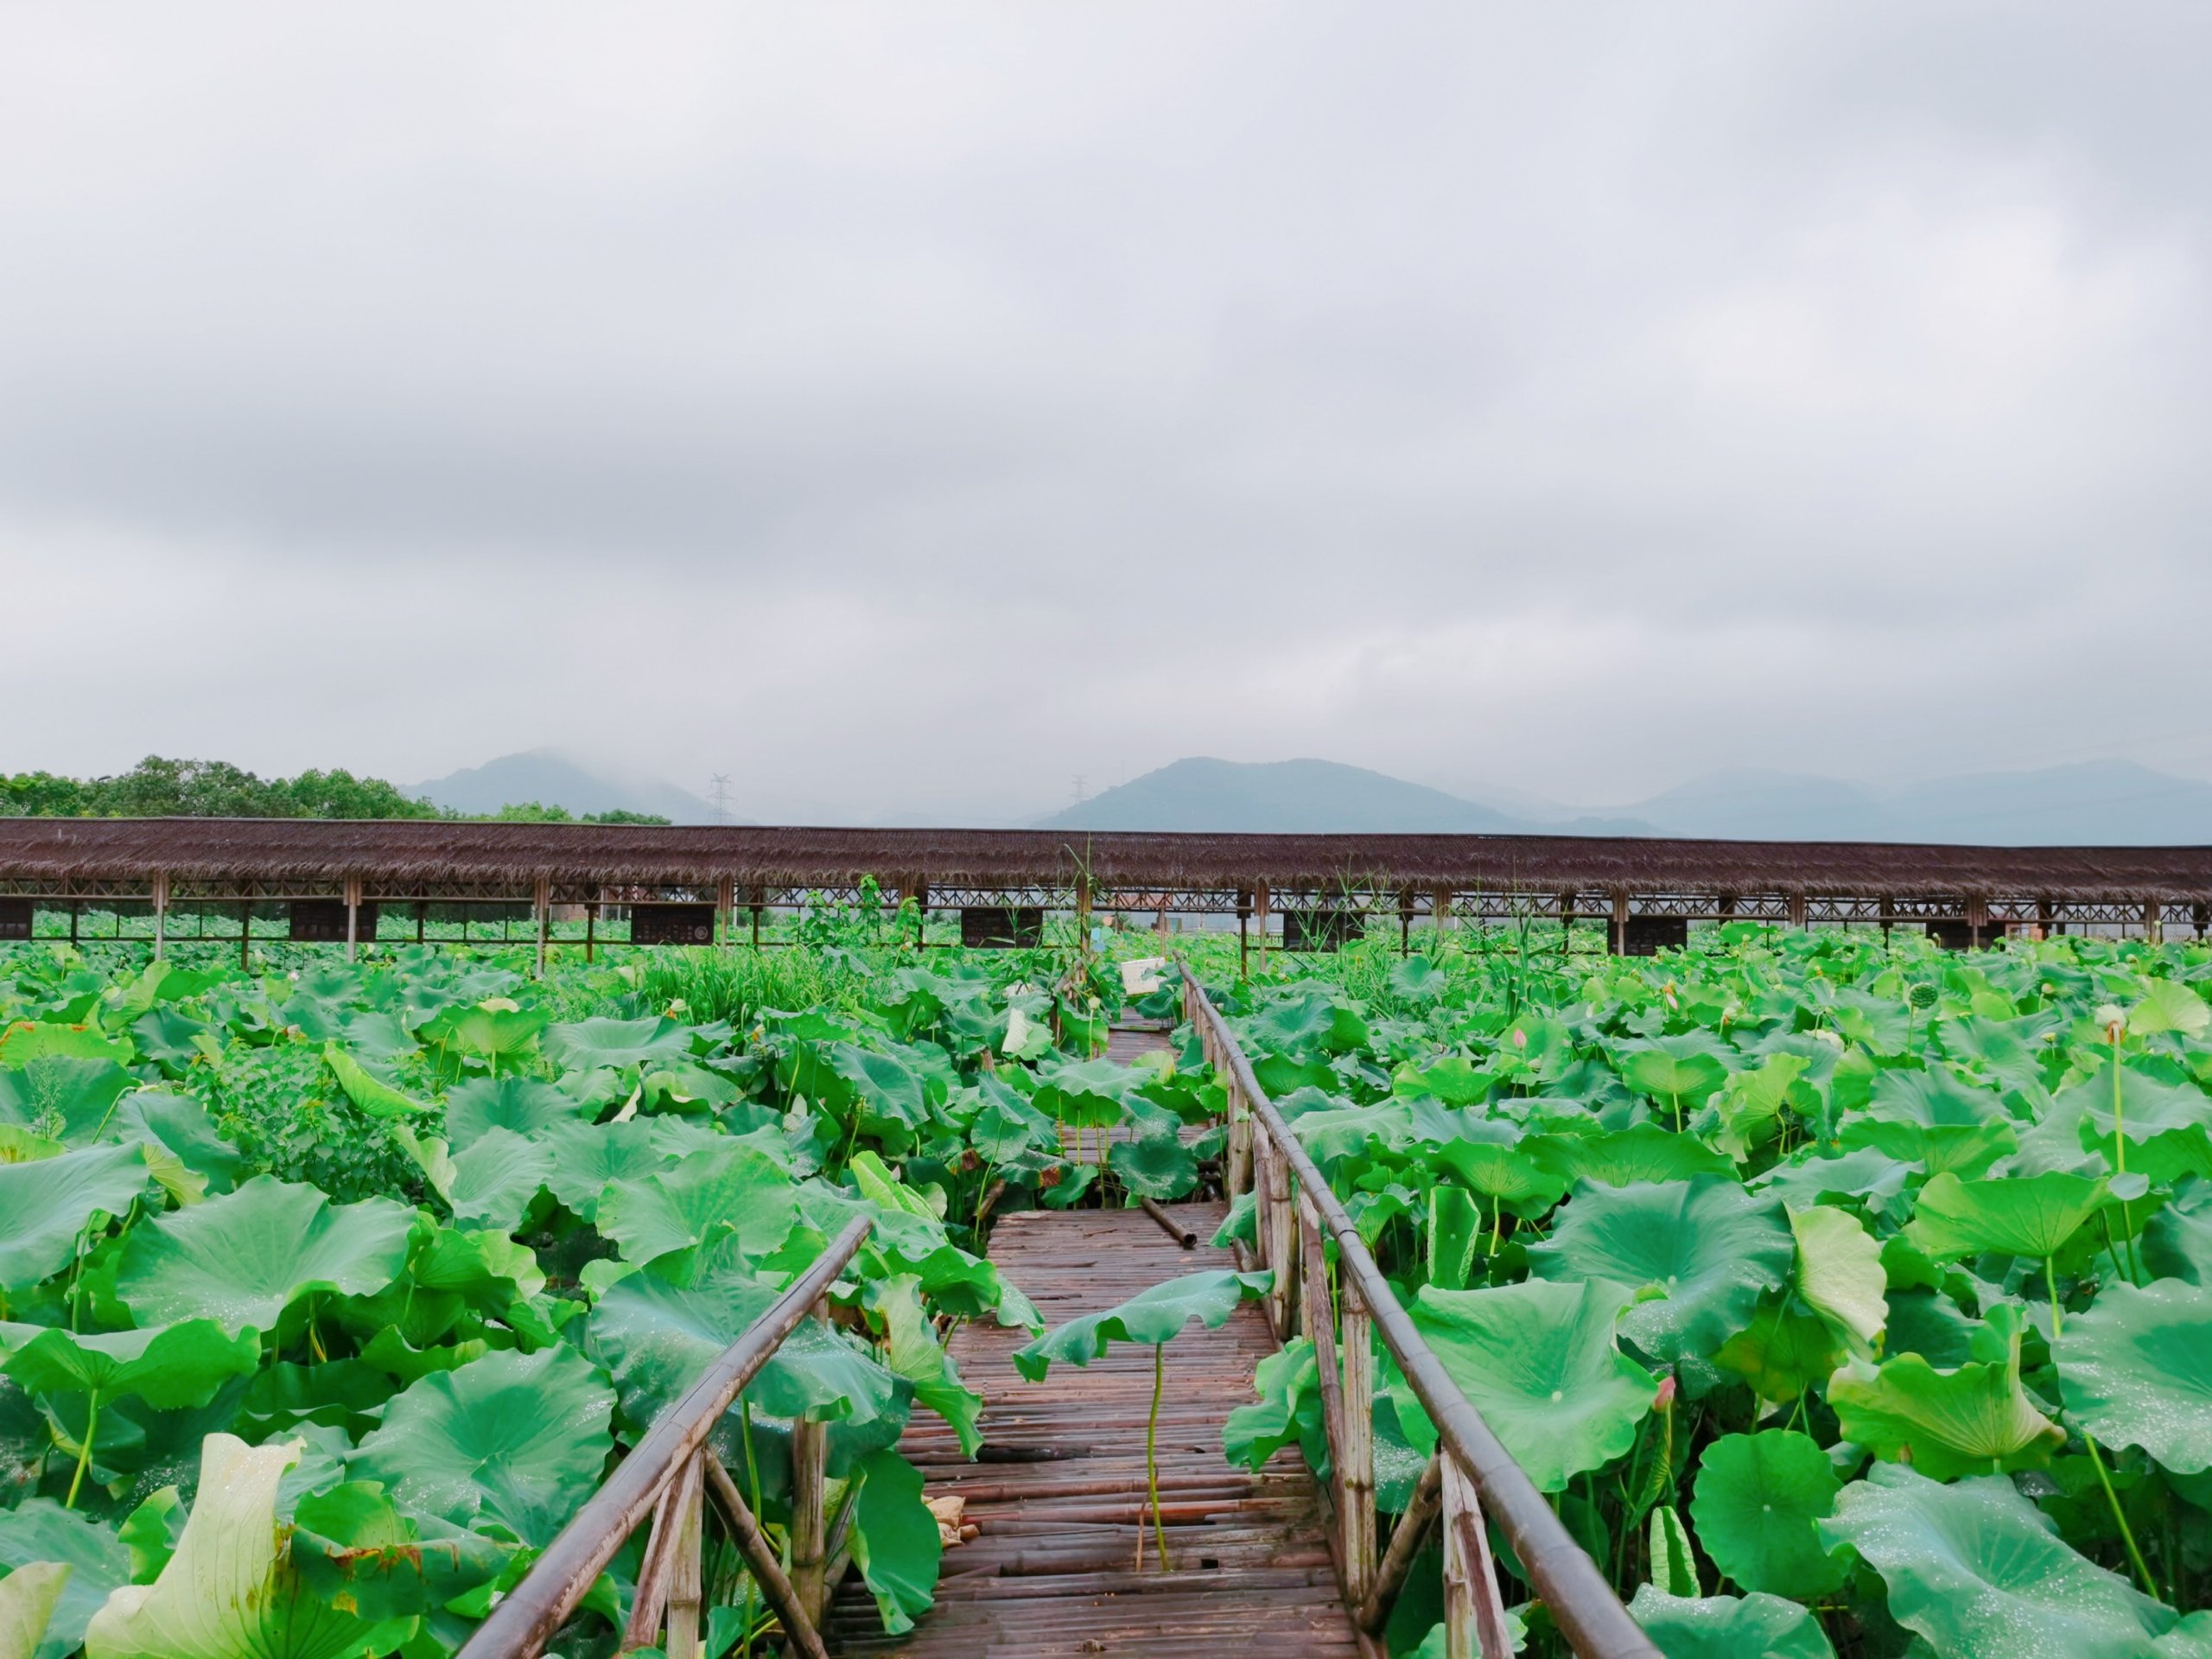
point(810, 1464)
point(686, 1590)
point(1282, 1247)
point(1474, 1617)
point(1356, 1457)
point(650, 1600)
point(760, 1562)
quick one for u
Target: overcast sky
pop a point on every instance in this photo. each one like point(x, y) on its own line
point(909, 407)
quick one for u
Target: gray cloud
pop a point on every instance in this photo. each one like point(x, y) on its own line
point(909, 408)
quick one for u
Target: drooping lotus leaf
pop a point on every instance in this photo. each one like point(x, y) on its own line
point(585, 1044)
point(911, 1350)
point(1751, 1104)
point(2168, 1006)
point(2007, 1051)
point(1287, 1412)
point(67, 1097)
point(2160, 1129)
point(1872, 1177)
point(1453, 1079)
point(1839, 1275)
point(1508, 1174)
point(2137, 1369)
point(1541, 1362)
point(1757, 1498)
point(179, 1123)
point(39, 1529)
point(588, 1158)
point(1158, 1167)
point(352, 1542)
point(1008, 1126)
point(1456, 1234)
point(1974, 1420)
point(1784, 1349)
point(730, 1192)
point(889, 1094)
point(2177, 1242)
point(1678, 1072)
point(1154, 1315)
point(896, 1543)
point(369, 1091)
point(656, 1340)
point(169, 1366)
point(1973, 1567)
point(241, 1259)
point(511, 1440)
point(1645, 1153)
point(1309, 1020)
point(27, 1597)
point(493, 1182)
point(1084, 1094)
point(2031, 1214)
point(230, 1589)
point(1709, 1244)
point(1728, 1627)
point(523, 1105)
point(493, 1029)
point(44, 1206)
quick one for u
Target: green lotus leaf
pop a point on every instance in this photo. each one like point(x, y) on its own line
point(352, 1542)
point(1677, 1072)
point(369, 1091)
point(1784, 1349)
point(492, 1183)
point(1647, 1153)
point(1709, 1244)
point(1158, 1167)
point(1007, 1126)
point(522, 1104)
point(1456, 1234)
point(1287, 1412)
point(1084, 1094)
point(587, 1044)
point(486, 1029)
point(230, 1590)
point(1974, 1420)
point(40, 1530)
point(588, 1158)
point(27, 1597)
point(2178, 1241)
point(730, 1192)
point(1973, 1567)
point(1839, 1275)
point(656, 1340)
point(1154, 1315)
point(67, 1097)
point(169, 1366)
point(896, 1544)
point(2032, 1216)
point(1512, 1176)
point(1757, 1498)
point(2137, 1369)
point(1454, 1079)
point(1674, 1564)
point(2168, 1006)
point(891, 1096)
point(1728, 1627)
point(2163, 1124)
point(880, 1187)
point(44, 1206)
point(1307, 1021)
point(1751, 1104)
point(31, 1040)
point(2008, 1051)
point(1870, 1177)
point(512, 1441)
point(242, 1259)
point(1539, 1361)
point(1933, 1118)
point(911, 1350)
point(179, 1123)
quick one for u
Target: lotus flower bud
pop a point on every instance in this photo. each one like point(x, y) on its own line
point(1664, 1400)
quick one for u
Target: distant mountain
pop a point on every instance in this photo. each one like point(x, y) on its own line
point(553, 779)
point(2098, 803)
point(1281, 797)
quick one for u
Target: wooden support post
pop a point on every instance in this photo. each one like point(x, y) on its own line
point(1474, 1614)
point(1620, 922)
point(661, 1573)
point(1260, 897)
point(760, 1560)
point(422, 915)
point(687, 1588)
point(542, 902)
point(1281, 1223)
point(810, 1464)
point(352, 917)
point(1356, 1457)
point(76, 907)
point(725, 903)
point(591, 928)
point(1082, 915)
point(246, 934)
point(1243, 934)
point(1406, 1540)
point(1797, 911)
point(160, 912)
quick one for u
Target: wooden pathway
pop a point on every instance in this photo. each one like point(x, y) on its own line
point(1059, 1491)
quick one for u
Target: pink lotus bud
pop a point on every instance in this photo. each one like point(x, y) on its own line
point(1520, 1039)
point(1664, 1400)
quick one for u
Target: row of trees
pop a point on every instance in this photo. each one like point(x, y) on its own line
point(159, 788)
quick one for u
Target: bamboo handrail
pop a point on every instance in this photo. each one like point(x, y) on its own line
point(662, 1463)
point(1582, 1604)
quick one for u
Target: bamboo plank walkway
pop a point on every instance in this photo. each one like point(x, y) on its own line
point(1059, 1491)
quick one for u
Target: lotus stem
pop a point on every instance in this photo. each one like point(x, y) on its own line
point(2119, 1517)
point(84, 1450)
point(1152, 1463)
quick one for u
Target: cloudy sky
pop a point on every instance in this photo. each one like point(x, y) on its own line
point(912, 406)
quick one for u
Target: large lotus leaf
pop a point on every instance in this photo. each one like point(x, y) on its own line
point(27, 1597)
point(1975, 1568)
point(2008, 1051)
point(1710, 1245)
point(1870, 1177)
point(352, 1542)
point(1085, 1094)
point(1008, 1126)
point(2032, 1216)
point(514, 1441)
point(1158, 1167)
point(1453, 1079)
point(522, 1104)
point(1728, 1627)
point(30, 1040)
point(880, 1186)
point(1758, 1498)
point(1751, 1104)
point(493, 1029)
point(1974, 1420)
point(230, 1590)
point(180, 1124)
point(1839, 1274)
point(39, 1529)
point(67, 1097)
point(2137, 1369)
point(1305, 1022)
point(1541, 1362)
point(240, 1260)
point(493, 1182)
point(1506, 1174)
point(1644, 1153)
point(44, 1206)
point(1154, 1315)
point(1287, 1412)
point(891, 1096)
point(1934, 1118)
point(911, 1349)
point(371, 1093)
point(2162, 1125)
point(589, 1043)
point(896, 1543)
point(1679, 1072)
point(2178, 1241)
point(588, 1158)
point(1784, 1349)
point(169, 1366)
point(731, 1192)
point(2168, 1006)
point(656, 1340)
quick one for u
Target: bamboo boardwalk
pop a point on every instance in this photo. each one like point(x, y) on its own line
point(1060, 1490)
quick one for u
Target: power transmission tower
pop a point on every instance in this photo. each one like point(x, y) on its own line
point(721, 798)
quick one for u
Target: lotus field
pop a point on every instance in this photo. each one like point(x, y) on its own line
point(1843, 1293)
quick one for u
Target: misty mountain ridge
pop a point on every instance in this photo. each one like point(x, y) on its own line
point(551, 779)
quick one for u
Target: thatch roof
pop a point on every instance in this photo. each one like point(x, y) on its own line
point(397, 856)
